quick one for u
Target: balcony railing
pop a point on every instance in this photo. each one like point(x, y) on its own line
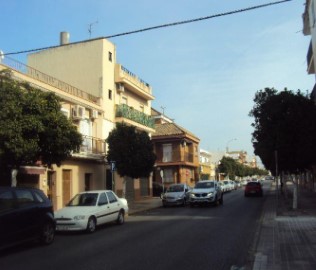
point(92, 145)
point(127, 112)
point(42, 77)
point(188, 157)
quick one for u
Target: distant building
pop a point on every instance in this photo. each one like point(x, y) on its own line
point(177, 151)
point(206, 165)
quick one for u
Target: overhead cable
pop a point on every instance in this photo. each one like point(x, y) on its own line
point(158, 26)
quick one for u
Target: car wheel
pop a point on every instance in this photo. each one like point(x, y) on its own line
point(121, 218)
point(184, 202)
point(48, 233)
point(216, 202)
point(91, 225)
point(191, 205)
point(164, 204)
point(221, 201)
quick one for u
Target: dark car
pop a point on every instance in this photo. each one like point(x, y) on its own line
point(253, 188)
point(25, 214)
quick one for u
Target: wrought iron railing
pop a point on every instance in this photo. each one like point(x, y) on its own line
point(125, 111)
point(42, 77)
point(92, 145)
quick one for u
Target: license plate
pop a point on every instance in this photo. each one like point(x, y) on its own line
point(62, 228)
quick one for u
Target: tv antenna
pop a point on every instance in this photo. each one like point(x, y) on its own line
point(90, 27)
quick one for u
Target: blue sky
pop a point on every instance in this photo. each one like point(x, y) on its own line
point(205, 74)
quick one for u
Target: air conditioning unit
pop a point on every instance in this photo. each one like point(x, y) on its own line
point(65, 112)
point(94, 114)
point(120, 88)
point(78, 112)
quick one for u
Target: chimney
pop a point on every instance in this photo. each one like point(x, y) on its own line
point(64, 38)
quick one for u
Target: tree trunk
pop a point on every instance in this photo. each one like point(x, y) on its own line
point(124, 188)
point(295, 192)
point(14, 173)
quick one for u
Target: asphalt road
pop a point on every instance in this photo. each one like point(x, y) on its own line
point(183, 238)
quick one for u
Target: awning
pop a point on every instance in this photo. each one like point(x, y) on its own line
point(32, 170)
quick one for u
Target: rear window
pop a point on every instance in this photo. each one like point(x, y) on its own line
point(204, 185)
point(176, 188)
point(253, 184)
point(24, 197)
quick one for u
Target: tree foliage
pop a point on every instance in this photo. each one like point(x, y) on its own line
point(131, 150)
point(232, 168)
point(284, 130)
point(33, 128)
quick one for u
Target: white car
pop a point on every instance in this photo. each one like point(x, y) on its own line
point(91, 208)
point(206, 192)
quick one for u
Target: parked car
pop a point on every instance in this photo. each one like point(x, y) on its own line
point(228, 185)
point(176, 194)
point(253, 188)
point(206, 192)
point(91, 208)
point(25, 214)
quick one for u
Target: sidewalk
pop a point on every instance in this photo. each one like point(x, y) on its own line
point(143, 205)
point(287, 238)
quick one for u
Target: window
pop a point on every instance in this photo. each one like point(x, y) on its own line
point(110, 94)
point(110, 56)
point(124, 100)
point(167, 153)
point(111, 196)
point(168, 176)
point(24, 196)
point(6, 201)
point(103, 199)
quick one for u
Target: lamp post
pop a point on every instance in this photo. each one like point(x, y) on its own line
point(228, 144)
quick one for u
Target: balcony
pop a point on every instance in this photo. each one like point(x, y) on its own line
point(49, 80)
point(310, 59)
point(132, 82)
point(91, 147)
point(129, 113)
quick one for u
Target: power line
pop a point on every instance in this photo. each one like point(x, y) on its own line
point(159, 26)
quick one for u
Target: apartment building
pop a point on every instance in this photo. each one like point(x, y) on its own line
point(177, 151)
point(309, 28)
point(97, 93)
point(206, 165)
point(84, 170)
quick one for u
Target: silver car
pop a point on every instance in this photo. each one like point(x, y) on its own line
point(206, 192)
point(176, 194)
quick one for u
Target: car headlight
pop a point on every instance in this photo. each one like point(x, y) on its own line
point(79, 217)
point(210, 194)
point(192, 195)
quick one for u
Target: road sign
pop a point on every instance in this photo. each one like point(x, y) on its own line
point(113, 167)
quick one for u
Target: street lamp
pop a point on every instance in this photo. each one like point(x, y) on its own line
point(228, 144)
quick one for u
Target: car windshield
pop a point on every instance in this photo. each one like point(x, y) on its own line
point(84, 199)
point(175, 188)
point(204, 185)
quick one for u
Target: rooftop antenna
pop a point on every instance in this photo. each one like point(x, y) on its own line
point(90, 27)
point(163, 110)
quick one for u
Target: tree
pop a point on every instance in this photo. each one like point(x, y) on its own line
point(131, 150)
point(284, 125)
point(33, 128)
point(285, 132)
